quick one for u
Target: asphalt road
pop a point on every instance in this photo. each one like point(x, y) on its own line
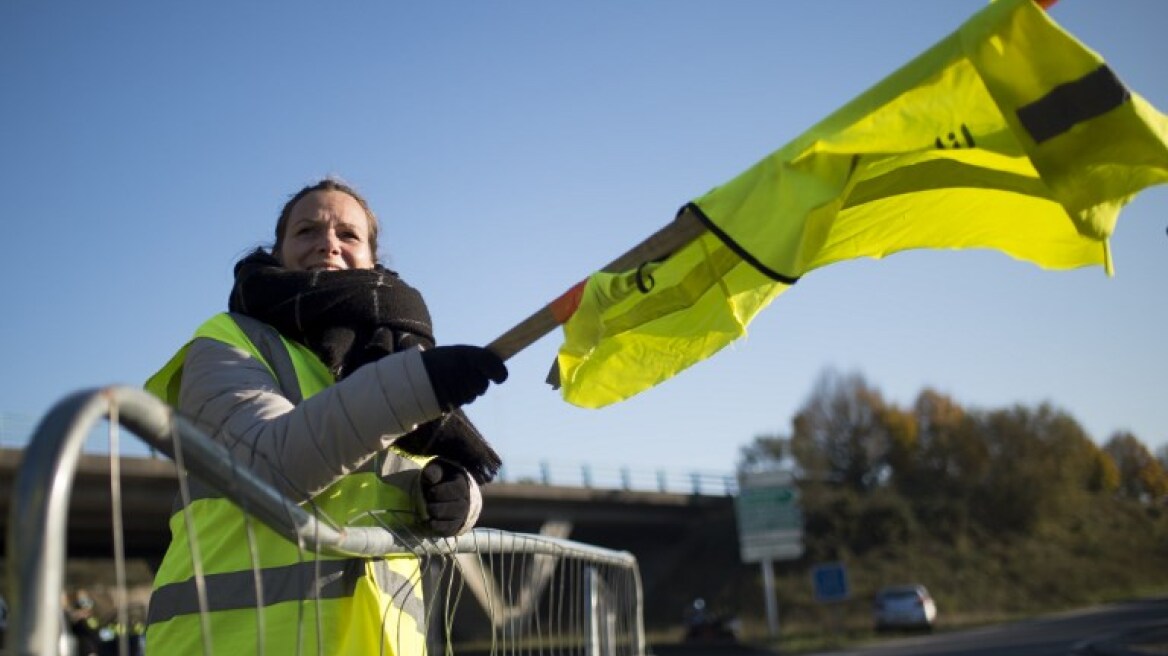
point(1064, 634)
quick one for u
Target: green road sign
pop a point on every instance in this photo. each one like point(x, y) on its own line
point(770, 521)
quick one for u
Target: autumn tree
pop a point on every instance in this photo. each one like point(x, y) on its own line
point(765, 452)
point(1103, 476)
point(839, 435)
point(1141, 476)
point(1040, 460)
point(948, 457)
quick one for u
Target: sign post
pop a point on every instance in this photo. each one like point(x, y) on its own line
point(770, 527)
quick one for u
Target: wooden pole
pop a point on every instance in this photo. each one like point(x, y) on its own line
point(682, 230)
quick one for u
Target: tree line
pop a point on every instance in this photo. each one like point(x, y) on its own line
point(953, 468)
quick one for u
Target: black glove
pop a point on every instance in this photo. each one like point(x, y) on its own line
point(446, 493)
point(453, 437)
point(460, 374)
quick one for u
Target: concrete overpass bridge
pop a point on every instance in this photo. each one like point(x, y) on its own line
point(677, 537)
point(149, 487)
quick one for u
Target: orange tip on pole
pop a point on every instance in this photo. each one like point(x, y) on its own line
point(565, 306)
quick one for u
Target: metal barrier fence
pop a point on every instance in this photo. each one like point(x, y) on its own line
point(527, 593)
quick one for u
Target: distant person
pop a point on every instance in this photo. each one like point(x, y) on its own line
point(325, 381)
point(84, 624)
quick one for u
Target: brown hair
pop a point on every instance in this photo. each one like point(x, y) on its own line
point(326, 184)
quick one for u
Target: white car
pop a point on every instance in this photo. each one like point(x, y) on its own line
point(904, 607)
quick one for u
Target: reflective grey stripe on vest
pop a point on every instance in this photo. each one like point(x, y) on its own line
point(400, 590)
point(296, 582)
point(267, 341)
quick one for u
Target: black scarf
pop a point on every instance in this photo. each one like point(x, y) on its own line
point(351, 318)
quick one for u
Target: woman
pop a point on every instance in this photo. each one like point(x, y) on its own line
point(324, 381)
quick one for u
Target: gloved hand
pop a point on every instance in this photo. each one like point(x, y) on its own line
point(447, 495)
point(460, 374)
point(453, 437)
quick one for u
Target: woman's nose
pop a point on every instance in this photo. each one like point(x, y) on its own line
point(329, 242)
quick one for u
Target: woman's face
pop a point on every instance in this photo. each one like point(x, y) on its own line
point(327, 231)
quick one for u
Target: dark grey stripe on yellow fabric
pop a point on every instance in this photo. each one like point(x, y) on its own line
point(326, 579)
point(400, 589)
point(941, 174)
point(267, 340)
point(1072, 103)
point(402, 480)
point(237, 590)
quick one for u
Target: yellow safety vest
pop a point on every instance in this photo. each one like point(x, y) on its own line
point(308, 603)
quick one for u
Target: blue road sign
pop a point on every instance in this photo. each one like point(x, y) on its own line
point(831, 582)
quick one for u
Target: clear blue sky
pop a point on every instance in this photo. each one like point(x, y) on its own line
point(511, 148)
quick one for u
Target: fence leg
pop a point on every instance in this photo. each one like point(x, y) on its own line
point(600, 629)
